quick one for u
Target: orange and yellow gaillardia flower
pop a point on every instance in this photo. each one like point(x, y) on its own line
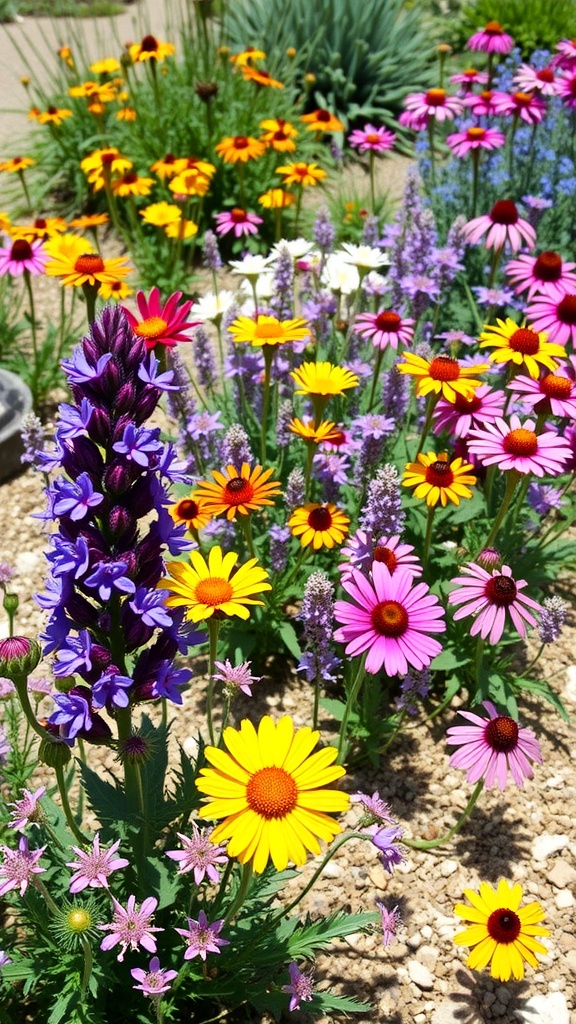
point(260, 76)
point(192, 511)
point(322, 526)
point(168, 166)
point(16, 164)
point(437, 479)
point(115, 290)
point(301, 174)
point(322, 121)
point(241, 148)
point(42, 227)
point(100, 165)
point(325, 431)
point(131, 184)
point(238, 491)
point(243, 58)
point(279, 134)
point(53, 115)
point(89, 221)
point(442, 375)
point(74, 260)
point(150, 49)
point(502, 933)
point(277, 199)
point(270, 789)
point(205, 588)
point(521, 346)
point(323, 379)
point(268, 330)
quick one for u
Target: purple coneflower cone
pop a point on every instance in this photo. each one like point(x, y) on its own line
point(490, 748)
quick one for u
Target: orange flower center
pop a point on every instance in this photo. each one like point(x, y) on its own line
point(21, 250)
point(272, 793)
point(502, 733)
point(389, 618)
point(213, 590)
point(268, 331)
point(238, 215)
point(525, 341)
point(486, 95)
point(240, 142)
point(494, 28)
point(556, 387)
point(187, 509)
point(152, 327)
point(237, 491)
point(149, 44)
point(476, 133)
point(566, 310)
point(436, 97)
point(373, 138)
point(444, 368)
point(320, 519)
point(439, 474)
point(470, 72)
point(386, 555)
point(522, 99)
point(89, 263)
point(504, 212)
point(388, 321)
point(548, 266)
point(463, 404)
point(521, 442)
point(546, 75)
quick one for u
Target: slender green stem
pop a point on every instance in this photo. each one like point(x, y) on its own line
point(28, 283)
point(25, 189)
point(431, 125)
point(537, 657)
point(432, 399)
point(39, 885)
point(375, 377)
point(20, 682)
point(428, 537)
point(242, 893)
point(372, 190)
point(431, 844)
point(213, 629)
point(87, 951)
point(496, 257)
point(511, 481)
point(350, 701)
point(333, 850)
point(479, 659)
point(245, 525)
point(302, 555)
point(298, 208)
point(310, 450)
point(67, 809)
point(475, 167)
point(90, 293)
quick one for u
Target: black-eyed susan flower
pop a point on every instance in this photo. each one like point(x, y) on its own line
point(437, 479)
point(240, 148)
point(115, 291)
point(17, 164)
point(192, 511)
point(189, 182)
point(277, 199)
point(204, 588)
point(521, 346)
point(322, 121)
point(247, 55)
point(323, 379)
point(53, 115)
point(89, 221)
point(322, 526)
point(131, 184)
point(74, 260)
point(301, 173)
point(168, 166)
point(238, 491)
point(100, 165)
point(442, 375)
point(41, 227)
point(501, 931)
point(260, 76)
point(270, 789)
point(306, 429)
point(279, 134)
point(150, 48)
point(268, 330)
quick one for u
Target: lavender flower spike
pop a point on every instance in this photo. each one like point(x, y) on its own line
point(552, 619)
point(382, 512)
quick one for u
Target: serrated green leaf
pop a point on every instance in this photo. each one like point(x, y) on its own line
point(345, 1004)
point(316, 935)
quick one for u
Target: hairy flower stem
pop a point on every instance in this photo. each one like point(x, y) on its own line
point(511, 481)
point(431, 844)
point(66, 807)
point(350, 702)
point(213, 629)
point(21, 684)
point(242, 893)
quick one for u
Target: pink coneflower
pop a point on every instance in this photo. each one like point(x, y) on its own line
point(458, 418)
point(468, 78)
point(416, 122)
point(518, 446)
point(131, 926)
point(528, 79)
point(390, 620)
point(362, 550)
point(555, 315)
point(566, 57)
point(461, 143)
point(567, 90)
point(385, 328)
point(489, 596)
point(23, 256)
point(481, 105)
point(371, 139)
point(239, 221)
point(93, 866)
point(161, 324)
point(525, 105)
point(201, 937)
point(503, 224)
point(26, 810)
point(434, 103)
point(491, 747)
point(553, 393)
point(19, 866)
point(199, 855)
point(491, 39)
point(546, 274)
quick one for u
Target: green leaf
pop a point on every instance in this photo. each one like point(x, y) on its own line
point(447, 660)
point(290, 639)
point(316, 935)
point(107, 800)
point(543, 689)
point(327, 1001)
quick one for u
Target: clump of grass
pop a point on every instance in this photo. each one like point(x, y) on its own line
point(60, 8)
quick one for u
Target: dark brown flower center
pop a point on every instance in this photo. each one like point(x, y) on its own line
point(337, 438)
point(504, 926)
point(129, 178)
point(501, 590)
point(521, 442)
point(436, 97)
point(323, 115)
point(444, 368)
point(545, 75)
point(187, 508)
point(40, 223)
point(240, 142)
point(555, 386)
point(439, 474)
point(389, 618)
point(387, 556)
point(548, 266)
point(149, 44)
point(21, 250)
point(504, 212)
point(566, 310)
point(89, 263)
point(502, 733)
point(107, 157)
point(388, 321)
point(525, 341)
point(463, 404)
point(320, 519)
point(237, 491)
point(279, 136)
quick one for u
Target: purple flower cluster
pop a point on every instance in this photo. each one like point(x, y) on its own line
point(110, 504)
point(317, 615)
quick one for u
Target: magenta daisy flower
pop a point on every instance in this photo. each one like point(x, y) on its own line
point(553, 393)
point(434, 103)
point(362, 550)
point(528, 79)
point(462, 143)
point(503, 224)
point(23, 256)
point(567, 90)
point(468, 78)
point(130, 927)
point(239, 221)
point(390, 619)
point(489, 596)
point(161, 324)
point(481, 104)
point(371, 139)
point(458, 417)
point(27, 809)
point(566, 57)
point(546, 274)
point(525, 105)
point(385, 328)
point(19, 866)
point(491, 39)
point(557, 316)
point(489, 748)
point(518, 446)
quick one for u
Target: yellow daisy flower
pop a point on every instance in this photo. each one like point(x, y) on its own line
point(521, 346)
point(268, 330)
point(239, 492)
point(206, 587)
point(323, 379)
point(270, 789)
point(107, 66)
point(301, 174)
point(161, 214)
point(89, 221)
point(53, 115)
point(322, 121)
point(276, 199)
point(501, 931)
point(168, 166)
point(150, 49)
point(325, 431)
point(192, 511)
point(115, 290)
point(260, 76)
point(241, 59)
point(279, 134)
point(65, 54)
point(442, 375)
point(191, 182)
point(131, 184)
point(241, 148)
point(17, 164)
point(183, 229)
point(74, 260)
point(322, 526)
point(437, 479)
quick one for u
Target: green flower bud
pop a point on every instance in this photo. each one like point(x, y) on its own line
point(54, 753)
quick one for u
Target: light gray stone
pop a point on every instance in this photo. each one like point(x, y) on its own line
point(448, 867)
point(545, 845)
point(564, 899)
point(420, 975)
point(548, 1009)
point(562, 875)
point(448, 1011)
